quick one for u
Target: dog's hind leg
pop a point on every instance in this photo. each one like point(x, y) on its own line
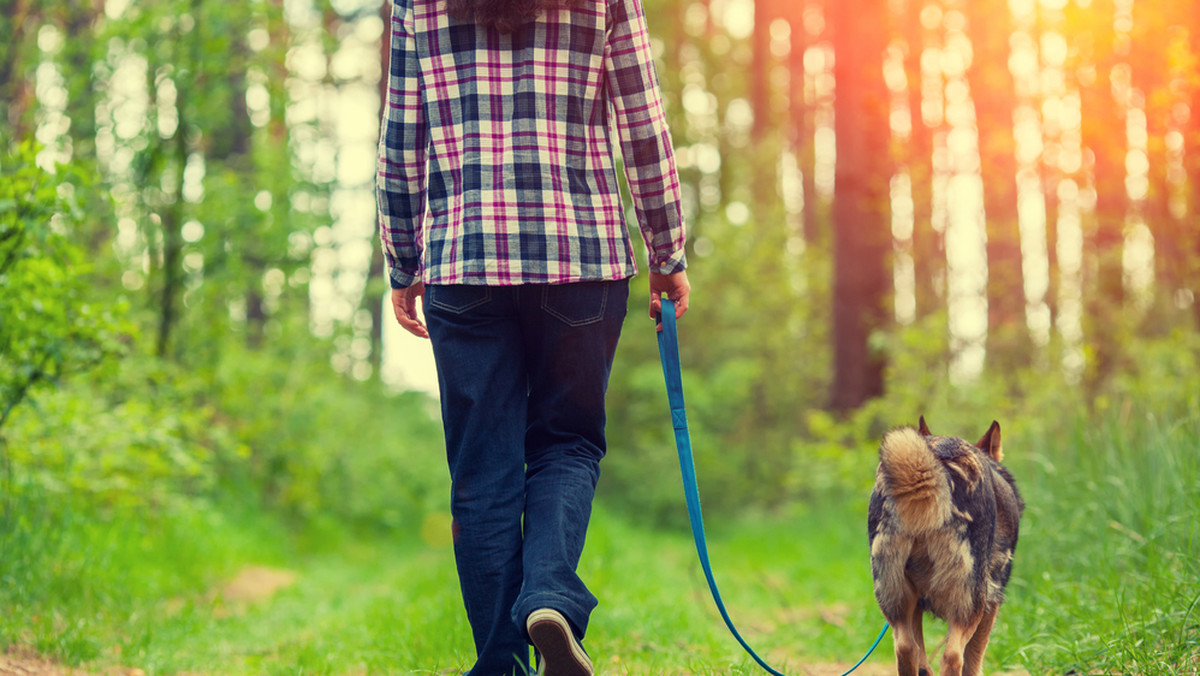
point(906, 635)
point(918, 630)
point(973, 657)
point(956, 641)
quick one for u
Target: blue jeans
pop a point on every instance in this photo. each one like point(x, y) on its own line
point(523, 372)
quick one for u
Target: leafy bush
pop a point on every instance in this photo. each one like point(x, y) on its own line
point(317, 444)
point(276, 425)
point(292, 436)
point(48, 326)
point(135, 435)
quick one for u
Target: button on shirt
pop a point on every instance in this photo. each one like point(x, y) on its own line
point(496, 156)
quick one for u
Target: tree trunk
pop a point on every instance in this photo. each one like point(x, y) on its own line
point(1050, 178)
point(18, 26)
point(928, 250)
point(994, 93)
point(172, 245)
point(1050, 175)
point(1152, 74)
point(760, 71)
point(1189, 242)
point(189, 63)
point(1103, 136)
point(377, 283)
point(803, 121)
point(861, 209)
point(80, 23)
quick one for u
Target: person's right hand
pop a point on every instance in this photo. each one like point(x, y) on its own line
point(404, 304)
point(677, 289)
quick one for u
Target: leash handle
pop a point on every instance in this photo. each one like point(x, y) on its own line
point(668, 350)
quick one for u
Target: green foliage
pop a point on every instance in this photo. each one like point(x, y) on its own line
point(1105, 579)
point(49, 326)
point(132, 488)
point(315, 444)
point(135, 489)
point(137, 435)
point(292, 436)
point(755, 359)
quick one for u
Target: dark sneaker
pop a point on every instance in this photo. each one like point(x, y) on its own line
point(555, 642)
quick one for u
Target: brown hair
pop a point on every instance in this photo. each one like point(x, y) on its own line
point(504, 15)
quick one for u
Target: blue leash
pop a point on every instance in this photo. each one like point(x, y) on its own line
point(668, 350)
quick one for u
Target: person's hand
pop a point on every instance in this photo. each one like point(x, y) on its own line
point(404, 303)
point(677, 289)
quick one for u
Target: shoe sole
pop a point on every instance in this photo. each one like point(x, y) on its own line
point(561, 653)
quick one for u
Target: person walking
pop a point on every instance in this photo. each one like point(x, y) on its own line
point(500, 210)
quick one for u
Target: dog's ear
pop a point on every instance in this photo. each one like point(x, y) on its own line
point(990, 443)
point(923, 429)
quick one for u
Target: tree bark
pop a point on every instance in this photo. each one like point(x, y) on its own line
point(803, 121)
point(377, 283)
point(172, 246)
point(760, 71)
point(19, 22)
point(861, 208)
point(1104, 138)
point(1190, 238)
point(1152, 75)
point(994, 93)
point(1049, 175)
point(928, 250)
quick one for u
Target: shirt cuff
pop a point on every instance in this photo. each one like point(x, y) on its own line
point(402, 280)
point(676, 262)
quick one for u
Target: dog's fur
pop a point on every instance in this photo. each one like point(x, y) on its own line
point(943, 526)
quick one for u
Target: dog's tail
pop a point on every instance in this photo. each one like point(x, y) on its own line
point(914, 480)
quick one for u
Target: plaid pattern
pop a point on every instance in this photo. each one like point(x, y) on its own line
point(495, 156)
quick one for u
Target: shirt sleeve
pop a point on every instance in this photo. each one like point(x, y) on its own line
point(402, 168)
point(644, 137)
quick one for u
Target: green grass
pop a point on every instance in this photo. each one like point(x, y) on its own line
point(1106, 580)
point(1109, 562)
point(391, 605)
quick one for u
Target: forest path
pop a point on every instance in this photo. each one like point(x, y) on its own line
point(369, 607)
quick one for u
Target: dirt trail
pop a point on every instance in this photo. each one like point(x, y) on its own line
point(257, 584)
point(28, 664)
point(24, 661)
point(251, 585)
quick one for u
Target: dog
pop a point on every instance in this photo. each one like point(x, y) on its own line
point(942, 525)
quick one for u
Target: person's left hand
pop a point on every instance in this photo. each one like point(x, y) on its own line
point(404, 303)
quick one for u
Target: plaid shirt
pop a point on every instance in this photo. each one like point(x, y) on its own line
point(495, 157)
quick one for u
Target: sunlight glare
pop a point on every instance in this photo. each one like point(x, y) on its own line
point(739, 115)
point(49, 39)
point(1022, 8)
point(738, 18)
point(695, 18)
point(1054, 49)
point(931, 17)
point(781, 38)
point(966, 259)
point(902, 207)
point(113, 9)
point(737, 213)
point(791, 184)
point(1023, 61)
point(1137, 261)
point(192, 189)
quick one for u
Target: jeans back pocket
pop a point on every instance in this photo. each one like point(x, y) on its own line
point(578, 303)
point(457, 298)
